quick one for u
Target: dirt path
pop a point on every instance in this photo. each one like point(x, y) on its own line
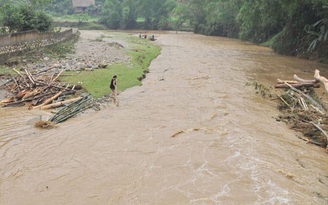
point(192, 134)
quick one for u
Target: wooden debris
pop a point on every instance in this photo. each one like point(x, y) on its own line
point(315, 103)
point(186, 131)
point(320, 78)
point(301, 80)
point(302, 109)
point(49, 100)
point(58, 104)
point(44, 124)
point(321, 130)
point(37, 89)
point(297, 85)
point(72, 109)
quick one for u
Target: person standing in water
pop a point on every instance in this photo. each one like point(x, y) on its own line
point(113, 87)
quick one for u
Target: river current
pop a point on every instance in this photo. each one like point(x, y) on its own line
point(193, 133)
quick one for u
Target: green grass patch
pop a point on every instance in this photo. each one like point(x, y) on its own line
point(4, 70)
point(82, 25)
point(76, 18)
point(97, 82)
point(91, 26)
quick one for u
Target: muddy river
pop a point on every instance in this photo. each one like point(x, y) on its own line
point(192, 134)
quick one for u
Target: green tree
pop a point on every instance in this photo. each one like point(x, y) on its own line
point(24, 18)
point(156, 13)
point(215, 17)
point(60, 6)
point(260, 20)
point(112, 14)
point(11, 18)
point(42, 21)
point(181, 13)
point(292, 39)
point(119, 14)
point(129, 14)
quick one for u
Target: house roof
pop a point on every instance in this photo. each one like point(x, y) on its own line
point(83, 3)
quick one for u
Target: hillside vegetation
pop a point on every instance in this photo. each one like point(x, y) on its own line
point(294, 27)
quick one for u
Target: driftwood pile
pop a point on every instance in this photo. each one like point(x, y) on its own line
point(303, 110)
point(39, 90)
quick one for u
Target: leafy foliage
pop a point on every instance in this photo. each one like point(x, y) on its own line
point(293, 27)
point(281, 22)
point(24, 18)
point(119, 14)
point(319, 31)
point(261, 20)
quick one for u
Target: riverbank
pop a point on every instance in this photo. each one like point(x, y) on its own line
point(189, 135)
point(98, 55)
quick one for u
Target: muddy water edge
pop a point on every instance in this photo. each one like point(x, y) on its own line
point(192, 134)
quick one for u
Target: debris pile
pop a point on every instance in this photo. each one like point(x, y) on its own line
point(301, 108)
point(41, 90)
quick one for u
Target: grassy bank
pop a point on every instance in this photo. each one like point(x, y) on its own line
point(96, 82)
point(4, 70)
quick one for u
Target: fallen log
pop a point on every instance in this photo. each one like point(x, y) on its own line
point(298, 85)
point(279, 81)
point(48, 100)
point(6, 101)
point(21, 94)
point(301, 80)
point(31, 94)
point(58, 104)
point(25, 100)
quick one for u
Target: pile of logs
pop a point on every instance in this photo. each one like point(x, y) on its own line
point(307, 112)
point(40, 90)
point(299, 82)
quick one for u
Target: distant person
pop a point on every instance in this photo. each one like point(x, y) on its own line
point(113, 87)
point(140, 35)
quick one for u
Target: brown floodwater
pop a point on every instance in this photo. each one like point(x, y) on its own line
point(193, 133)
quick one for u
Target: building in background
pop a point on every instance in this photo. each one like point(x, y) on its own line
point(81, 5)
